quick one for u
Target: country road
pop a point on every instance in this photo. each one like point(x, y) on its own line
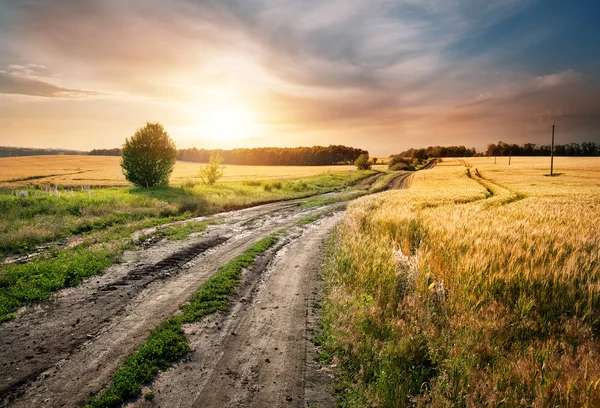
point(258, 353)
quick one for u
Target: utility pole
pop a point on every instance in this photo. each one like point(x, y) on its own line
point(552, 151)
point(509, 155)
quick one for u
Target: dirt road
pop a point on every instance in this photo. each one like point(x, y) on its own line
point(259, 353)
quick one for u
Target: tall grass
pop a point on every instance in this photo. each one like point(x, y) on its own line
point(445, 295)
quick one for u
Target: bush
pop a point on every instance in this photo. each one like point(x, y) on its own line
point(401, 163)
point(149, 156)
point(213, 170)
point(363, 162)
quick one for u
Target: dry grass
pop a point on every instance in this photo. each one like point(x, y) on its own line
point(478, 289)
point(106, 171)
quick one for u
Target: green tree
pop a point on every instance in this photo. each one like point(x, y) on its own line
point(148, 157)
point(363, 162)
point(213, 170)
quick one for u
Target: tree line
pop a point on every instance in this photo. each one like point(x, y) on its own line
point(266, 156)
point(500, 149)
point(276, 156)
point(105, 152)
point(531, 149)
point(437, 151)
point(6, 151)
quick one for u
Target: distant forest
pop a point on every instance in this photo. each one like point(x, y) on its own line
point(503, 149)
point(266, 156)
point(26, 151)
point(333, 154)
point(437, 151)
point(272, 156)
point(530, 149)
point(105, 152)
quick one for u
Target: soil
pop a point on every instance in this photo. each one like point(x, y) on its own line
point(258, 353)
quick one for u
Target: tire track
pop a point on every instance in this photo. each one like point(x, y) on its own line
point(69, 347)
point(255, 354)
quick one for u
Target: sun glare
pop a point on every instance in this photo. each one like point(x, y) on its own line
point(226, 125)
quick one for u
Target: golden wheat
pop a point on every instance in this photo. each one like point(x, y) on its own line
point(477, 286)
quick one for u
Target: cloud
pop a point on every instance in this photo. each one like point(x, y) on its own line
point(405, 70)
point(11, 83)
point(558, 79)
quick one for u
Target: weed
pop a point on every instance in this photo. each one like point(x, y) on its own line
point(181, 231)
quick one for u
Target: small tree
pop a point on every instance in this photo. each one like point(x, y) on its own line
point(213, 170)
point(148, 157)
point(363, 162)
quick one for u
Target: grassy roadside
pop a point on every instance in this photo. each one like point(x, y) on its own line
point(354, 193)
point(31, 217)
point(112, 216)
point(167, 343)
point(445, 295)
point(22, 284)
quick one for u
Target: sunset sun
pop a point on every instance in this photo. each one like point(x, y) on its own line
point(228, 124)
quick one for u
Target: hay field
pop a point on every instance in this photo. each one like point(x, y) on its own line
point(477, 286)
point(106, 171)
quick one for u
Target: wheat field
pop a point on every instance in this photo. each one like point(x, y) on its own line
point(106, 171)
point(477, 286)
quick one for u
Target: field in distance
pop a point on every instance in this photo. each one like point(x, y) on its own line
point(106, 171)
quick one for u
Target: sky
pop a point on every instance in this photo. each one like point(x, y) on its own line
point(381, 75)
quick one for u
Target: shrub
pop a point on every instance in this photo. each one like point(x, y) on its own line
point(213, 170)
point(363, 162)
point(401, 163)
point(149, 156)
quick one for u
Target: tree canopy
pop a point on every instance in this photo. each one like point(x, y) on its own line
point(148, 157)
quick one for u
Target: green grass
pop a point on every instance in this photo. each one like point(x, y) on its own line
point(214, 294)
point(167, 343)
point(312, 218)
point(308, 220)
point(180, 231)
point(22, 284)
point(48, 215)
point(104, 220)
